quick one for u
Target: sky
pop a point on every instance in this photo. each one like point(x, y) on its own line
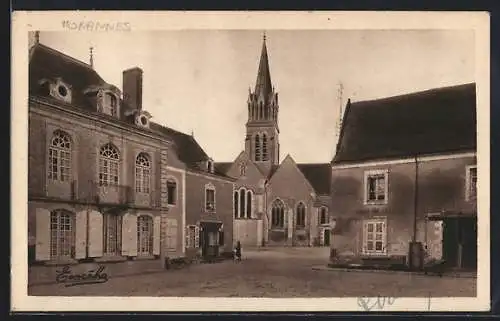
point(197, 81)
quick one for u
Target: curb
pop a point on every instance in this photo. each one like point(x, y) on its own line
point(454, 275)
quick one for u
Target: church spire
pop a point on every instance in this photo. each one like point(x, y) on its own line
point(263, 84)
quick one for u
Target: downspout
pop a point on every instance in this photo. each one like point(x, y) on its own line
point(415, 200)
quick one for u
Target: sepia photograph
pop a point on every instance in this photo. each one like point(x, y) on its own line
point(265, 162)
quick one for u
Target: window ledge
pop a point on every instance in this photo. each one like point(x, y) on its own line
point(61, 262)
point(110, 258)
point(144, 257)
point(375, 203)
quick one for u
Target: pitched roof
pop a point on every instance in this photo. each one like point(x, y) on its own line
point(441, 120)
point(263, 84)
point(318, 176)
point(50, 64)
point(223, 167)
point(188, 149)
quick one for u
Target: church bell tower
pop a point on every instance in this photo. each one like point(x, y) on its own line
point(262, 132)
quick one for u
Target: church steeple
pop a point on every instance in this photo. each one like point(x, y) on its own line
point(261, 141)
point(263, 85)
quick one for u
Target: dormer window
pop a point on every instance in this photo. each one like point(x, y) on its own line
point(58, 89)
point(210, 166)
point(110, 104)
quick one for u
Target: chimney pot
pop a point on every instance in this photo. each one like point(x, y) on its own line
point(132, 88)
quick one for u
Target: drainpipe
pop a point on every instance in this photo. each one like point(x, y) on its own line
point(415, 206)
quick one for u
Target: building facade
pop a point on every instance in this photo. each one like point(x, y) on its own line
point(105, 182)
point(405, 172)
point(275, 203)
point(94, 165)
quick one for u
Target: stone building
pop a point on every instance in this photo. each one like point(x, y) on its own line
point(105, 182)
point(405, 173)
point(275, 203)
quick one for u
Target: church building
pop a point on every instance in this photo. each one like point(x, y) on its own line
point(275, 202)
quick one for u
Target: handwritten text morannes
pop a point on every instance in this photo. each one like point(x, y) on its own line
point(95, 26)
point(68, 278)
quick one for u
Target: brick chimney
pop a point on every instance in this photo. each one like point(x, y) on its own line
point(132, 88)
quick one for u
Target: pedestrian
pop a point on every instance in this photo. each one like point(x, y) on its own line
point(237, 252)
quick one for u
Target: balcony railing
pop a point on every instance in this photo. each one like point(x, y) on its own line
point(91, 192)
point(112, 194)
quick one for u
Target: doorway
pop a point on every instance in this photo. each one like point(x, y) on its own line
point(209, 239)
point(460, 242)
point(326, 237)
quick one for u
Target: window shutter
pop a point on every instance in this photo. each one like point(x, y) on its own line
point(129, 235)
point(197, 237)
point(321, 236)
point(365, 232)
point(156, 235)
point(188, 238)
point(42, 248)
point(95, 234)
point(80, 234)
point(172, 224)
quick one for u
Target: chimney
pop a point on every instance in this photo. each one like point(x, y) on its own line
point(132, 88)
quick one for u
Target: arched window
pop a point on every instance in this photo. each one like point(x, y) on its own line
point(323, 216)
point(301, 215)
point(236, 199)
point(144, 235)
point(261, 111)
point(62, 234)
point(249, 204)
point(142, 173)
point(257, 148)
point(265, 154)
point(60, 157)
point(109, 161)
point(242, 203)
point(110, 105)
point(278, 214)
point(266, 112)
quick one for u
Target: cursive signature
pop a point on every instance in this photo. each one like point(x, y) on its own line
point(379, 302)
point(66, 277)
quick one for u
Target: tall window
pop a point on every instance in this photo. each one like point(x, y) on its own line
point(60, 157)
point(108, 165)
point(243, 169)
point(144, 235)
point(278, 214)
point(110, 105)
point(242, 203)
point(171, 192)
point(376, 187)
point(210, 198)
point(62, 234)
point(261, 111)
point(249, 204)
point(471, 183)
point(112, 226)
point(236, 204)
point(323, 216)
point(374, 238)
point(265, 153)
point(257, 148)
point(142, 173)
point(301, 215)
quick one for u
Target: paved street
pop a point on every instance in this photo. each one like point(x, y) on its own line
point(270, 273)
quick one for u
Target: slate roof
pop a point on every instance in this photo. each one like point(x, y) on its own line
point(318, 176)
point(50, 64)
point(223, 167)
point(441, 120)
